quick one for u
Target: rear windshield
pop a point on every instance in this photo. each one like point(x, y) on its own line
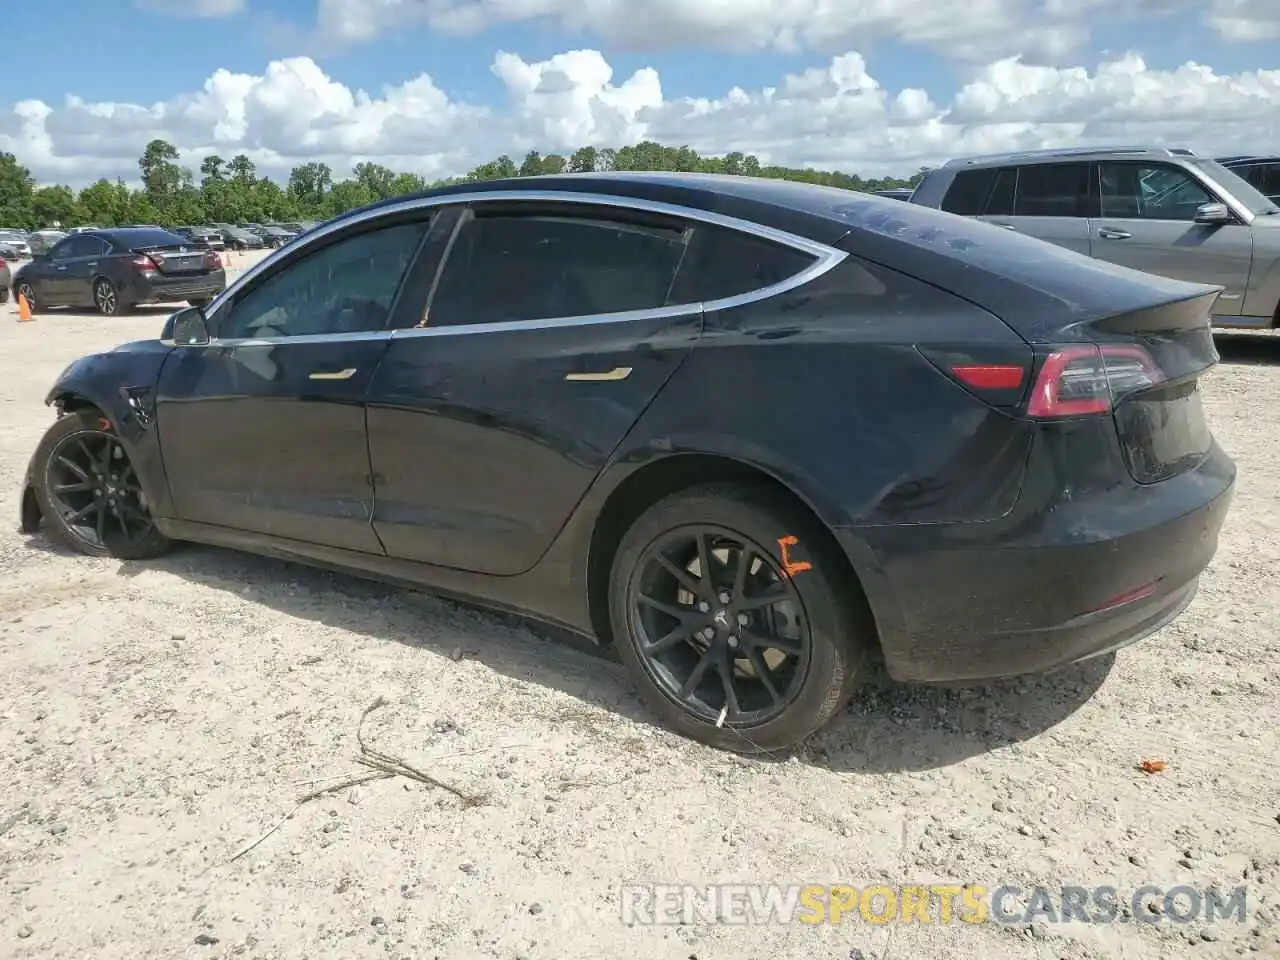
point(146, 238)
point(1240, 188)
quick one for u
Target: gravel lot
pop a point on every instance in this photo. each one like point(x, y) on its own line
point(156, 719)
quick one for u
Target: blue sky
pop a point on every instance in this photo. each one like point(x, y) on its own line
point(880, 85)
point(181, 52)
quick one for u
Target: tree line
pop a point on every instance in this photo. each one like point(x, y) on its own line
point(231, 191)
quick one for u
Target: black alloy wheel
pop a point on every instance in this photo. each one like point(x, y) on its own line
point(105, 297)
point(27, 292)
point(91, 494)
point(737, 616)
point(719, 626)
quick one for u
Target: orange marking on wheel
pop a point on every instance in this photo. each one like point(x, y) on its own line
point(791, 567)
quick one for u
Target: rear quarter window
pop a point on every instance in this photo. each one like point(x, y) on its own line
point(721, 262)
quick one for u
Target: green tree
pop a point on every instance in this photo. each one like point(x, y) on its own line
point(309, 184)
point(16, 189)
point(376, 178)
point(54, 205)
point(161, 175)
point(406, 183)
point(104, 204)
point(348, 195)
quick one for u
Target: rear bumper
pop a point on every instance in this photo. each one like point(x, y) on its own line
point(159, 289)
point(967, 602)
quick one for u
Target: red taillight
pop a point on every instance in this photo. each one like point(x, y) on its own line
point(982, 376)
point(146, 261)
point(1081, 380)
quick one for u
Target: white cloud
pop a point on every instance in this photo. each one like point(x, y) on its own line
point(976, 30)
point(197, 9)
point(837, 116)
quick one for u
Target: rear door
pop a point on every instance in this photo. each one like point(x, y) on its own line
point(1048, 201)
point(1147, 222)
point(549, 333)
point(79, 269)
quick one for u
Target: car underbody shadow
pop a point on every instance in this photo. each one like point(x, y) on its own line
point(1248, 348)
point(890, 727)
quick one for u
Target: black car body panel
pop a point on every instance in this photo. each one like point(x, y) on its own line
point(491, 460)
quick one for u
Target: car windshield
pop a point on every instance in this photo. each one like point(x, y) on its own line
point(1240, 188)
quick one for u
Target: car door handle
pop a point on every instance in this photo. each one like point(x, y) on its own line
point(62, 268)
point(346, 374)
point(617, 373)
point(1005, 226)
point(1107, 233)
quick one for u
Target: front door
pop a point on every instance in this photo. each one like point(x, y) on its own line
point(263, 429)
point(1148, 223)
point(545, 341)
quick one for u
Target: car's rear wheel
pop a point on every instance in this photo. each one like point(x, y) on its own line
point(107, 298)
point(737, 618)
point(90, 494)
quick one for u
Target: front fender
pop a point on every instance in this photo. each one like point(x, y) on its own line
point(121, 385)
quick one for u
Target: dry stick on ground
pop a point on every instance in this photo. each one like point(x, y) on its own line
point(384, 767)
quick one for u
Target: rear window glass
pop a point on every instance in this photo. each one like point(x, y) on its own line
point(726, 263)
point(146, 238)
point(1053, 190)
point(969, 192)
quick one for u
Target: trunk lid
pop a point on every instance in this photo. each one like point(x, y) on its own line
point(176, 259)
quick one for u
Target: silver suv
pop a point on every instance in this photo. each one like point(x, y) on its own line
point(1164, 211)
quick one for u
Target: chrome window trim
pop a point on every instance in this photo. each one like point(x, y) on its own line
point(825, 259)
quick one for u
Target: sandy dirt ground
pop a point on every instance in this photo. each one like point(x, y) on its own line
point(158, 718)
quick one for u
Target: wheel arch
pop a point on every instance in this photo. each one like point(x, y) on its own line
point(661, 478)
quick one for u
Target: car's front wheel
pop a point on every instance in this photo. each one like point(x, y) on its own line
point(89, 493)
point(738, 619)
point(27, 292)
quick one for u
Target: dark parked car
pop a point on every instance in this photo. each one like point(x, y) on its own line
point(1262, 172)
point(741, 430)
point(209, 236)
point(115, 270)
point(237, 238)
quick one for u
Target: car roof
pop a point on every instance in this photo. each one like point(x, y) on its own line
point(1246, 161)
point(810, 210)
point(1021, 157)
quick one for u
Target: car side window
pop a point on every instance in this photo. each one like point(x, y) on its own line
point(969, 192)
point(1151, 191)
point(1268, 179)
point(1052, 190)
point(348, 286)
point(726, 263)
point(507, 265)
point(63, 249)
point(90, 247)
point(1002, 194)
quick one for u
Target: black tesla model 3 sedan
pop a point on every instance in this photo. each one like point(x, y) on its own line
point(741, 430)
point(115, 270)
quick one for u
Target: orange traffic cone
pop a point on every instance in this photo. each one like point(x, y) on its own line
point(24, 310)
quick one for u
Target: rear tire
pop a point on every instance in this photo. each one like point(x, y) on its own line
point(89, 494)
point(106, 298)
point(753, 697)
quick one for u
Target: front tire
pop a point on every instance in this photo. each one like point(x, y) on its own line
point(737, 617)
point(90, 494)
point(24, 289)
